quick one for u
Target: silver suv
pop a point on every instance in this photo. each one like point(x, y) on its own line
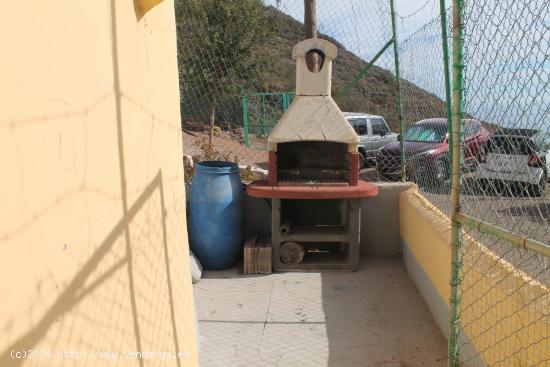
point(373, 133)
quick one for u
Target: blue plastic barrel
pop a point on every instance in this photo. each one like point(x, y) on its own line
point(215, 214)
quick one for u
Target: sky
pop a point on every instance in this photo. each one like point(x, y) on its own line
point(364, 26)
point(507, 83)
point(411, 14)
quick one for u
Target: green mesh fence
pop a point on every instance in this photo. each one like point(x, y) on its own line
point(424, 116)
point(243, 96)
point(503, 307)
point(261, 111)
point(505, 299)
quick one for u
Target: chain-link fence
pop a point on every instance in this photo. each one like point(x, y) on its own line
point(261, 111)
point(425, 116)
point(503, 303)
point(242, 96)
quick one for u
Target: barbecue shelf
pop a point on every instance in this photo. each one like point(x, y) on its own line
point(322, 234)
point(324, 247)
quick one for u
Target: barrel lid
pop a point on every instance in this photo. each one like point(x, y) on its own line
point(217, 167)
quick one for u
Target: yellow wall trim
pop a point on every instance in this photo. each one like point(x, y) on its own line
point(426, 231)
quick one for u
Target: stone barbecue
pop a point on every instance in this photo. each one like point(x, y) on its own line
point(313, 178)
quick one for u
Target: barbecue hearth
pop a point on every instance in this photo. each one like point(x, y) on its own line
point(313, 162)
point(313, 177)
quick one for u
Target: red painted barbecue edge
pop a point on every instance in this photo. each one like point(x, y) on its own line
point(262, 189)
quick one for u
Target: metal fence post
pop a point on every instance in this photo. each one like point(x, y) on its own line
point(445, 46)
point(263, 129)
point(398, 92)
point(456, 179)
point(245, 120)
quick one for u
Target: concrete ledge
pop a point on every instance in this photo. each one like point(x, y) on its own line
point(380, 220)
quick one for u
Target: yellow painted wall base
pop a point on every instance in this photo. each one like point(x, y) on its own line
point(504, 312)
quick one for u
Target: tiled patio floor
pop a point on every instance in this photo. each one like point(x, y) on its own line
point(373, 317)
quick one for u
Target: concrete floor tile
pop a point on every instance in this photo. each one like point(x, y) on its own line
point(233, 299)
point(297, 299)
point(231, 345)
point(372, 317)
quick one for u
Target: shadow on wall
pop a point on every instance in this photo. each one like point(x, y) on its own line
point(105, 269)
point(126, 269)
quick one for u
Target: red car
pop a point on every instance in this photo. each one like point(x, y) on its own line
point(426, 145)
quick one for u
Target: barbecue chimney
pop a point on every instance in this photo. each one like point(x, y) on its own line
point(313, 142)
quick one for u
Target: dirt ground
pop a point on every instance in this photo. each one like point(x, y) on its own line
point(256, 155)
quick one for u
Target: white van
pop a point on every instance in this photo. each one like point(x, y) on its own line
point(373, 132)
point(516, 156)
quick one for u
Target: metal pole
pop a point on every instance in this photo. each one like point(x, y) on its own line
point(398, 92)
point(445, 46)
point(310, 30)
point(456, 179)
point(245, 121)
point(265, 122)
point(361, 74)
point(518, 240)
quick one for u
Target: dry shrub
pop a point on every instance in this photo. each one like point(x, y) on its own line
point(209, 153)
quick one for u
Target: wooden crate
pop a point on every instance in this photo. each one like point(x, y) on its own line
point(257, 256)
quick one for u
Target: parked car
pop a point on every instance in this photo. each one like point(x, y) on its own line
point(373, 133)
point(519, 157)
point(426, 148)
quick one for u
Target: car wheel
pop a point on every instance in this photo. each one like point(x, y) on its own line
point(441, 172)
point(480, 186)
point(362, 161)
point(538, 190)
point(421, 179)
point(481, 156)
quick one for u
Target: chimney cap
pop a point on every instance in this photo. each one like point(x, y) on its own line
point(329, 50)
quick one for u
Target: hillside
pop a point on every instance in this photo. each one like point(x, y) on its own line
point(374, 94)
point(378, 83)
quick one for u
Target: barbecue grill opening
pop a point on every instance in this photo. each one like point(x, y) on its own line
point(313, 162)
point(327, 214)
